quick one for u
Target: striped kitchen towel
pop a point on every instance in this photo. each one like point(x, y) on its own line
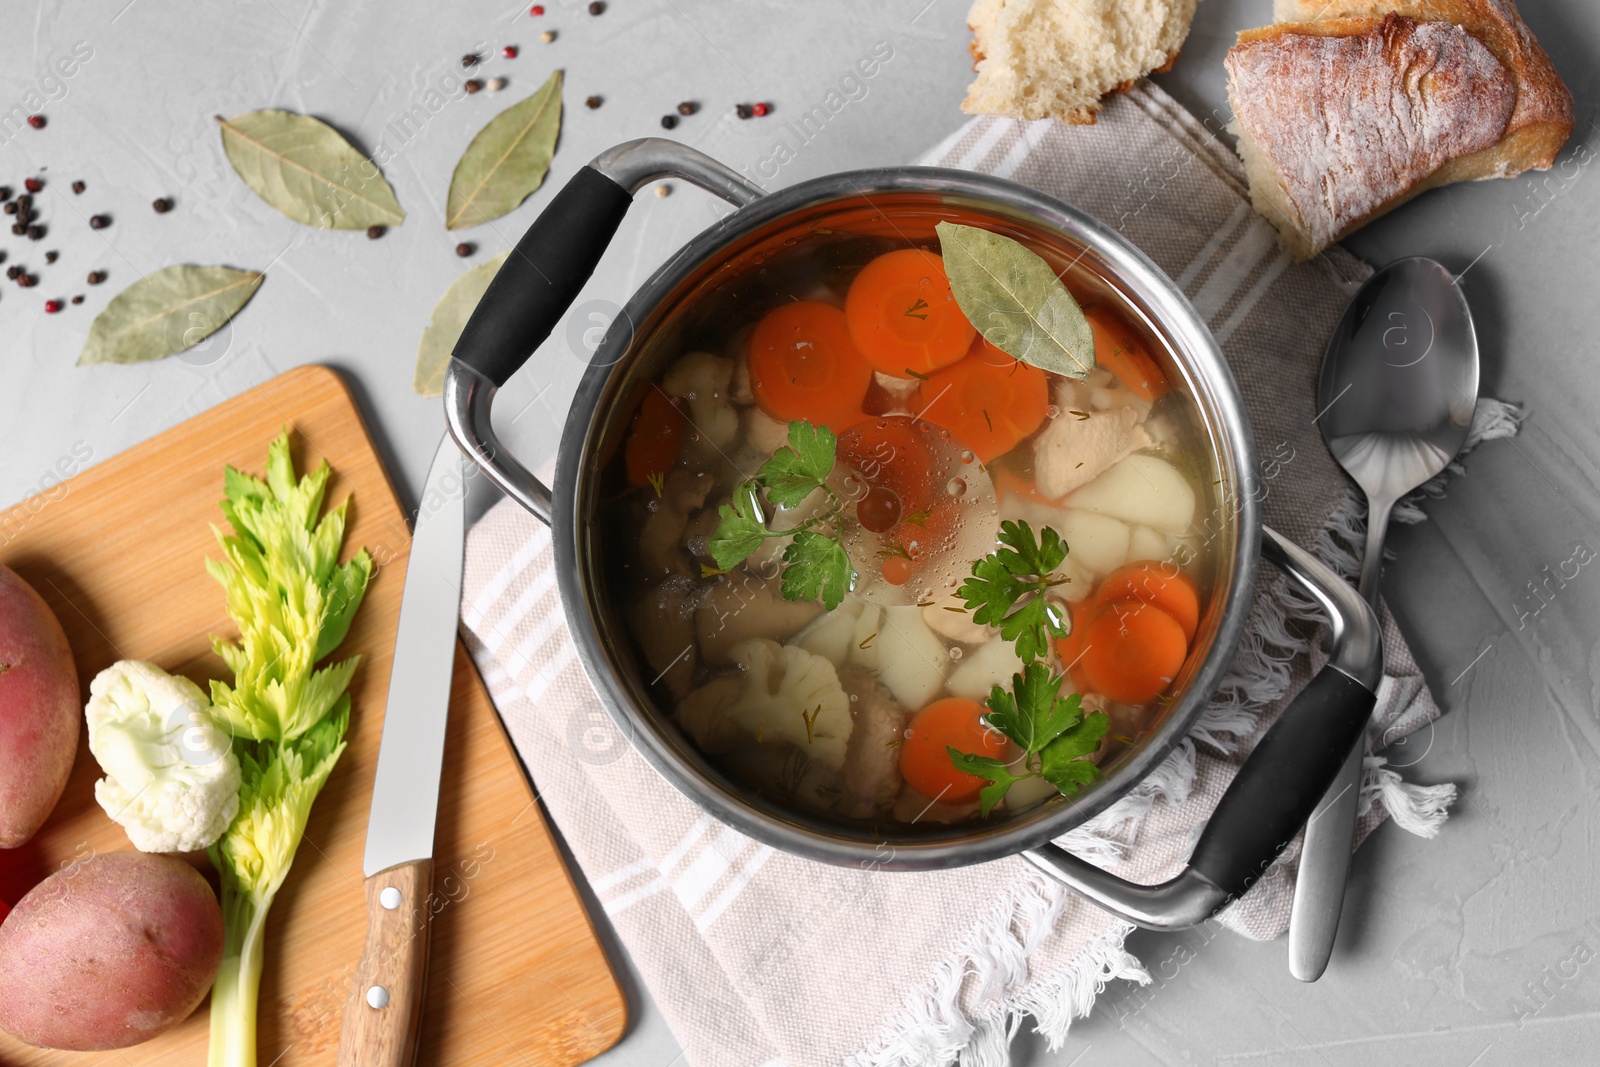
point(756, 957)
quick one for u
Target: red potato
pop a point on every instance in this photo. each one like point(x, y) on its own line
point(109, 952)
point(40, 710)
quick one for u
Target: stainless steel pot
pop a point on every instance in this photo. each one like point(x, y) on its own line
point(1280, 783)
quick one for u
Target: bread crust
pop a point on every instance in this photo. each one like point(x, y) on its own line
point(1542, 121)
point(1316, 183)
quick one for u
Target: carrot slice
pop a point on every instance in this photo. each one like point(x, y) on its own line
point(1008, 483)
point(891, 453)
point(803, 365)
point(654, 437)
point(1131, 652)
point(1161, 584)
point(926, 532)
point(988, 400)
point(1117, 351)
point(1070, 648)
point(903, 317)
point(953, 722)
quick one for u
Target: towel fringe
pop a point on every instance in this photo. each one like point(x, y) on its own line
point(1417, 809)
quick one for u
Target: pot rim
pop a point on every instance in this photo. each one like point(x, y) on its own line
point(1223, 414)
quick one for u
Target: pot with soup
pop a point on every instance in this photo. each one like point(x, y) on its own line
point(908, 518)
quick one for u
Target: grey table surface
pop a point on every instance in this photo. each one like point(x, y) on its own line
point(1474, 949)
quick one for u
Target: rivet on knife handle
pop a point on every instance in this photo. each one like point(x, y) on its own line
point(383, 1017)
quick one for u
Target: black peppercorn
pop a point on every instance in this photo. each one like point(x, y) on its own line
point(469, 60)
point(464, 249)
point(744, 111)
point(668, 121)
point(12, 272)
point(11, 207)
point(5, 192)
point(376, 232)
point(473, 85)
point(78, 187)
point(50, 257)
point(592, 103)
point(35, 232)
point(78, 299)
point(19, 229)
point(99, 222)
point(688, 107)
point(597, 8)
point(24, 201)
point(161, 205)
point(96, 277)
point(27, 281)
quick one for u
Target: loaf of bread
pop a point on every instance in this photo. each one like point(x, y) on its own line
point(1038, 59)
point(1362, 105)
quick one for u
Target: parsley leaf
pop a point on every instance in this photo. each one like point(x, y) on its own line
point(1031, 627)
point(991, 591)
point(1027, 555)
point(998, 773)
point(1038, 713)
point(816, 563)
point(817, 566)
point(1007, 575)
point(741, 531)
point(801, 467)
point(1063, 763)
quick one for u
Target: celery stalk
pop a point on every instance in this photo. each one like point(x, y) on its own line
point(293, 603)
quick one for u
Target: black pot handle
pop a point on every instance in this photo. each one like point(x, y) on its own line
point(1280, 783)
point(542, 277)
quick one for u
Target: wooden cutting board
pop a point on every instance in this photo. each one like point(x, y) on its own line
point(516, 976)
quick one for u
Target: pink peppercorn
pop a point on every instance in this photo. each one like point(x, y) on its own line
point(36, 121)
point(509, 51)
point(536, 10)
point(760, 109)
point(52, 306)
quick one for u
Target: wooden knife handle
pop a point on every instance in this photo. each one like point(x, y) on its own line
point(383, 1017)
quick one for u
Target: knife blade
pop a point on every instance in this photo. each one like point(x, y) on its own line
point(382, 1018)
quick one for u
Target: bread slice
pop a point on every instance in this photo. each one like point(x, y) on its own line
point(1341, 119)
point(1038, 59)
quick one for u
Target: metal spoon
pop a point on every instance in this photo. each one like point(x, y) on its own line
point(1399, 384)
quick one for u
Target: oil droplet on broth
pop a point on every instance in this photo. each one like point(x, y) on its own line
point(956, 486)
point(1052, 412)
point(967, 457)
point(955, 652)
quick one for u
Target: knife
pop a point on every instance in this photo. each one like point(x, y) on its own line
point(382, 1018)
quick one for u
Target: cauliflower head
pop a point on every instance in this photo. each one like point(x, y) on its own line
point(172, 780)
point(791, 695)
point(703, 380)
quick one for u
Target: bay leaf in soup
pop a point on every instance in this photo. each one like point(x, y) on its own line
point(166, 312)
point(1014, 299)
point(444, 328)
point(507, 160)
point(308, 171)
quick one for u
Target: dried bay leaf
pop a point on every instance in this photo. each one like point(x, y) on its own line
point(507, 160)
point(444, 328)
point(1015, 300)
point(166, 312)
point(306, 170)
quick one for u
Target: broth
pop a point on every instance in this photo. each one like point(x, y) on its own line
point(844, 712)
